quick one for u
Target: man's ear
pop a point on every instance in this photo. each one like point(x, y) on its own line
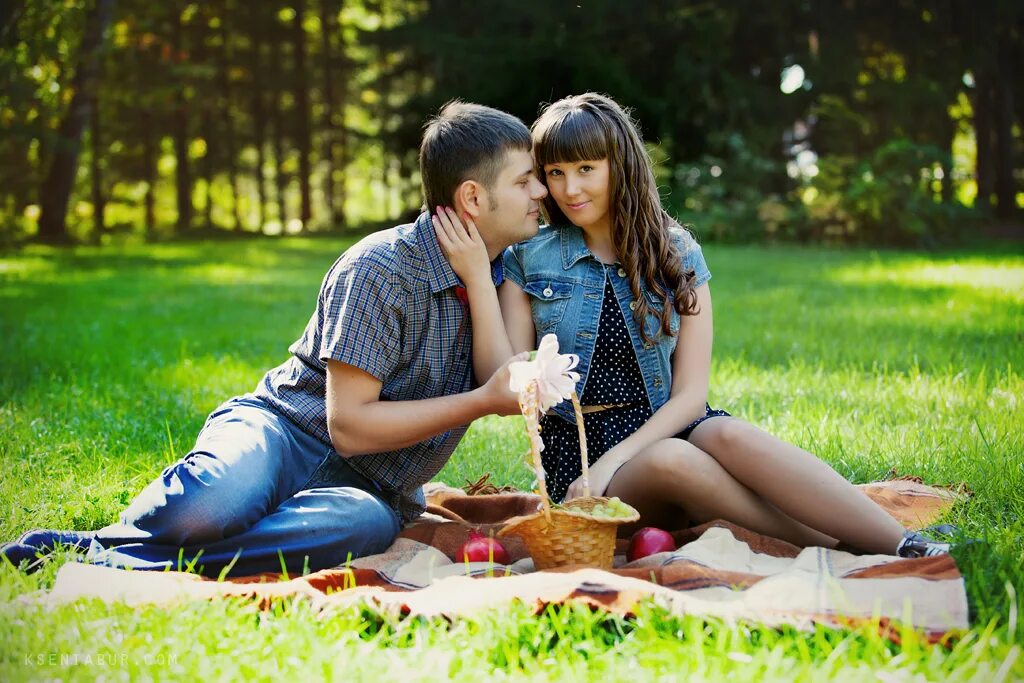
point(470, 198)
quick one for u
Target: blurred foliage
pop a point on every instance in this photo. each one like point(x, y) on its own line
point(723, 198)
point(861, 121)
point(887, 197)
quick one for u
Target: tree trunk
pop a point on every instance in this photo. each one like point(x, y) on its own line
point(259, 119)
point(149, 170)
point(277, 123)
point(55, 192)
point(1003, 100)
point(947, 180)
point(22, 193)
point(327, 10)
point(341, 139)
point(224, 58)
point(384, 84)
point(99, 202)
point(207, 165)
point(984, 169)
point(947, 183)
point(182, 174)
point(301, 93)
point(207, 128)
point(341, 193)
point(9, 12)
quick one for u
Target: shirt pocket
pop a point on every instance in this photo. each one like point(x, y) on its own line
point(548, 299)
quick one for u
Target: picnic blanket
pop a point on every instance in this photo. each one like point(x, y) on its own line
point(719, 570)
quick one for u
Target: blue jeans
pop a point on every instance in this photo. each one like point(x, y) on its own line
point(255, 493)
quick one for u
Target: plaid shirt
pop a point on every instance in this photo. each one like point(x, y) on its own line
point(388, 306)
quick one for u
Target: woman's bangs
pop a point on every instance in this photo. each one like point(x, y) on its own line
point(575, 136)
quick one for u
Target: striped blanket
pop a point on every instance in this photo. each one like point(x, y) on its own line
point(719, 570)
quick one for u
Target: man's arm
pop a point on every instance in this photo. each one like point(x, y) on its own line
point(360, 423)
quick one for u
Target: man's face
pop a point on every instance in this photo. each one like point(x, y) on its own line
point(510, 211)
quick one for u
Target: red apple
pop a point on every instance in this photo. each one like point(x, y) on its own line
point(648, 541)
point(480, 548)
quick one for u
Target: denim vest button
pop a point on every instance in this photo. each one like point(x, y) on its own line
point(632, 305)
point(648, 346)
point(657, 381)
point(622, 272)
point(548, 291)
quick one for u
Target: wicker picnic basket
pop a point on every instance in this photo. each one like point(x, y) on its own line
point(567, 534)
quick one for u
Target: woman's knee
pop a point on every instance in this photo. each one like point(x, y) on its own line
point(722, 433)
point(678, 464)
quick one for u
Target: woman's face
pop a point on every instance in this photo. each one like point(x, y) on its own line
point(581, 190)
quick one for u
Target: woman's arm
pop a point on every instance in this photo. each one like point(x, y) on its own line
point(467, 254)
point(518, 317)
point(691, 369)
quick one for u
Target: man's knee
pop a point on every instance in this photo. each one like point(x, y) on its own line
point(198, 500)
point(229, 480)
point(357, 521)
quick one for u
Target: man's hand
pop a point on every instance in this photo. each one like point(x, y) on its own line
point(463, 247)
point(500, 399)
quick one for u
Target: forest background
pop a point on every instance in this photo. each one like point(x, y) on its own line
point(883, 122)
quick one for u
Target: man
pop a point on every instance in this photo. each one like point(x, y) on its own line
point(325, 459)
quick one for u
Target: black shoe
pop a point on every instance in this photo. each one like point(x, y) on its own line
point(917, 545)
point(16, 553)
point(38, 543)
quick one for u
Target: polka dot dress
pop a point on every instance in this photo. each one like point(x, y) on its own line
point(614, 378)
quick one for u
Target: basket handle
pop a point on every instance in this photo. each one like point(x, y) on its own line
point(583, 444)
point(529, 405)
point(531, 413)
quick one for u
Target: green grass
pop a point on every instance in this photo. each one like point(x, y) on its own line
point(875, 361)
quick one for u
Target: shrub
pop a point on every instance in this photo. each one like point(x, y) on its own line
point(886, 198)
point(729, 198)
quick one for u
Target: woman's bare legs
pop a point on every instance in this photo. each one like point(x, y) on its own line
point(799, 484)
point(673, 483)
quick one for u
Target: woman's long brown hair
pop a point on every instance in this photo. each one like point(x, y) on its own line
point(591, 127)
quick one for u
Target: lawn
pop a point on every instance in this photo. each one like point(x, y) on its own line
point(876, 361)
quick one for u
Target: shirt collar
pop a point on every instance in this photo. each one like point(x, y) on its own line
point(573, 246)
point(440, 273)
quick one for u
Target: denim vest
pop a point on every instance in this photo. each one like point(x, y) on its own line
point(565, 284)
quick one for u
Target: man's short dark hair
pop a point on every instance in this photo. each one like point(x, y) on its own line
point(466, 142)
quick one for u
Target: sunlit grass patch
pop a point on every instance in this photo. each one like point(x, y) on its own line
point(974, 274)
point(116, 355)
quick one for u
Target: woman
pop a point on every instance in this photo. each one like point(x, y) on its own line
point(626, 289)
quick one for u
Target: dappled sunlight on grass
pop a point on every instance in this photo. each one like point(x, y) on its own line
point(224, 274)
point(1003, 277)
point(777, 305)
point(874, 362)
point(249, 258)
point(866, 423)
point(23, 267)
point(198, 380)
